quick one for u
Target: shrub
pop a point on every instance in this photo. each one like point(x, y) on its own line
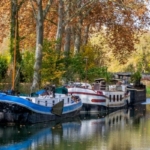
point(3, 67)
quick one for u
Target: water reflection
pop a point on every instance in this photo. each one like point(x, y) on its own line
point(123, 129)
point(33, 136)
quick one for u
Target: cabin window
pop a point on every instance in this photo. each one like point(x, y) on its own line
point(45, 103)
point(110, 98)
point(117, 97)
point(38, 102)
point(120, 97)
point(113, 97)
point(53, 102)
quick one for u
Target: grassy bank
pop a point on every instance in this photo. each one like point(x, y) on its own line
point(147, 91)
point(147, 83)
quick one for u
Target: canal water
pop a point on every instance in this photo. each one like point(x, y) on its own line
point(125, 129)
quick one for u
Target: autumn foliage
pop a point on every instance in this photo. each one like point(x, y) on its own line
point(71, 24)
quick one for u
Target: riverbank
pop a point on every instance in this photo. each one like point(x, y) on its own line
point(148, 92)
point(147, 83)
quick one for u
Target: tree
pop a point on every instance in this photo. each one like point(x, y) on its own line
point(52, 68)
point(39, 16)
point(120, 19)
point(14, 40)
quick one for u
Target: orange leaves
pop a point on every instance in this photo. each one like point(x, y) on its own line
point(121, 20)
point(141, 10)
point(4, 18)
point(117, 16)
point(121, 41)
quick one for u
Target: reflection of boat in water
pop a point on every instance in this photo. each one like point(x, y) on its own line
point(22, 137)
point(29, 137)
point(56, 135)
point(92, 122)
point(103, 124)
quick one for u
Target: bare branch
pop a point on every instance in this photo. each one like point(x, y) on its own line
point(51, 21)
point(19, 6)
point(34, 11)
point(80, 10)
point(47, 8)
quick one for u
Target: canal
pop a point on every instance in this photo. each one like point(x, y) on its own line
point(125, 129)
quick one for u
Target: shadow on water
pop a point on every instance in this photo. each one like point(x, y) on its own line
point(73, 130)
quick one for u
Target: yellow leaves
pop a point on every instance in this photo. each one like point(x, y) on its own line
point(141, 10)
point(140, 57)
point(58, 74)
point(88, 53)
point(124, 51)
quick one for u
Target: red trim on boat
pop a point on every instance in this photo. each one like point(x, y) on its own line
point(84, 93)
point(98, 100)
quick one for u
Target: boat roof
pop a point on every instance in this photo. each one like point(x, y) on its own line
point(123, 74)
point(103, 79)
point(100, 79)
point(81, 84)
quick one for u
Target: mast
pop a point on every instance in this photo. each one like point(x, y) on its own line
point(15, 49)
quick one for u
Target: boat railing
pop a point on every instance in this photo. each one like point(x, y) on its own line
point(99, 86)
point(111, 87)
point(50, 101)
point(119, 88)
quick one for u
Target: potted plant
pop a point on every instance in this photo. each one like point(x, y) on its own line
point(107, 76)
point(136, 78)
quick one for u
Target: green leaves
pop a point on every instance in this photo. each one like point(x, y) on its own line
point(27, 66)
point(136, 77)
point(3, 67)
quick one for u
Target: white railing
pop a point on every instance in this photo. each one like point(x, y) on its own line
point(50, 101)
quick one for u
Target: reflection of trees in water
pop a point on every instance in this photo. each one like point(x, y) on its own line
point(14, 133)
point(79, 133)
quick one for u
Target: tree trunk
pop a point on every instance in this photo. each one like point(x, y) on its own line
point(67, 30)
point(13, 23)
point(67, 40)
point(59, 27)
point(39, 47)
point(14, 43)
point(13, 39)
point(41, 15)
point(86, 33)
point(77, 42)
